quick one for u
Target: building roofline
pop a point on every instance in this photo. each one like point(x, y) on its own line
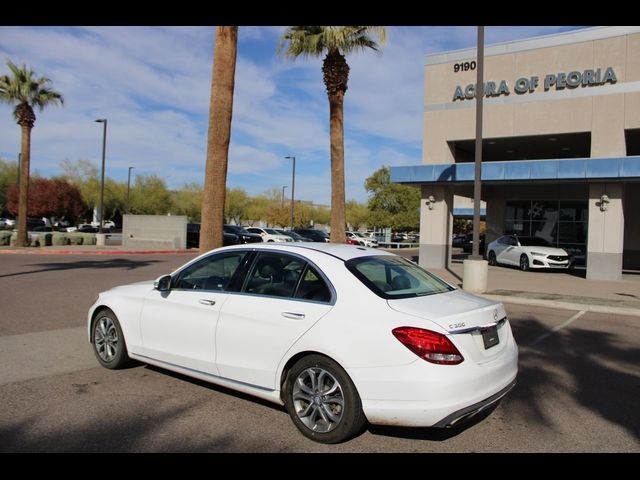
point(533, 43)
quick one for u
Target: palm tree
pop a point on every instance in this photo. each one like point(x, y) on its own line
point(335, 42)
point(219, 136)
point(26, 91)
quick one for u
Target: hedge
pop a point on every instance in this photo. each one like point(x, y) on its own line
point(50, 238)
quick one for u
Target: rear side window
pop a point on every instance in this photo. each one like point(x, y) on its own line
point(394, 277)
point(287, 276)
point(274, 274)
point(313, 287)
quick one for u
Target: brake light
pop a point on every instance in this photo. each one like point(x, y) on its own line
point(430, 346)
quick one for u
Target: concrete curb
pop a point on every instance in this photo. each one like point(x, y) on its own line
point(95, 252)
point(564, 305)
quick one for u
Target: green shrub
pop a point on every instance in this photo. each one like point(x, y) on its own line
point(5, 238)
point(75, 238)
point(88, 238)
point(60, 239)
point(41, 239)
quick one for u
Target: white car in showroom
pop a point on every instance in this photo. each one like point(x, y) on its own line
point(527, 252)
point(339, 334)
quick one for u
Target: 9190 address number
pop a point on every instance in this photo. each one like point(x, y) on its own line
point(464, 67)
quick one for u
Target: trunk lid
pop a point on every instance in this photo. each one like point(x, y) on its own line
point(456, 311)
point(465, 317)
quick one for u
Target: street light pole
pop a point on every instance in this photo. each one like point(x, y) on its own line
point(477, 196)
point(129, 187)
point(293, 188)
point(104, 146)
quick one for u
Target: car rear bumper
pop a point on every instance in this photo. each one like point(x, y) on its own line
point(471, 411)
point(426, 395)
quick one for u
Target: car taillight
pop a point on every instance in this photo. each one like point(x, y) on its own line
point(430, 346)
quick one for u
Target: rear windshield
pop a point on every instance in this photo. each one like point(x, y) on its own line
point(394, 277)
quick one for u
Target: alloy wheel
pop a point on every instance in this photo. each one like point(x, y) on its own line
point(105, 338)
point(318, 399)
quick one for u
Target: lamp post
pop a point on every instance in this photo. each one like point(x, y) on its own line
point(282, 203)
point(477, 197)
point(293, 187)
point(104, 146)
point(474, 278)
point(129, 187)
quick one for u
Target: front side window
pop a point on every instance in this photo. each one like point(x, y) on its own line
point(394, 277)
point(213, 273)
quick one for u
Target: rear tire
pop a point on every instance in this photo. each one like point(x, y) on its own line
point(108, 342)
point(322, 400)
point(492, 258)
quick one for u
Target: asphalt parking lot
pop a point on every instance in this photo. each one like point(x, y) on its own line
point(579, 381)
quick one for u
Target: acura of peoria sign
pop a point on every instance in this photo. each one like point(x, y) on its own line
point(556, 81)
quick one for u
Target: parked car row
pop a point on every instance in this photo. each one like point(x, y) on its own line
point(236, 234)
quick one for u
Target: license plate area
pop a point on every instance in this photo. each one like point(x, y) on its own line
point(490, 337)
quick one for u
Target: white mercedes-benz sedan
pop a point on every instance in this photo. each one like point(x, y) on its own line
point(339, 334)
point(527, 252)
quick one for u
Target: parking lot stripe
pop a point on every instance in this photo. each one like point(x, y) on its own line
point(558, 328)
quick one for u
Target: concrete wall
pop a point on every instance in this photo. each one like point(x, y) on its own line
point(154, 232)
point(436, 225)
point(606, 232)
point(604, 110)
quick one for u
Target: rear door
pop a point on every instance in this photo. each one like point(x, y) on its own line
point(282, 298)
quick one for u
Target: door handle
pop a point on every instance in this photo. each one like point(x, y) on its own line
point(293, 315)
point(205, 301)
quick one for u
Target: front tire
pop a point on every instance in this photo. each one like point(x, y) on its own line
point(108, 342)
point(322, 400)
point(524, 262)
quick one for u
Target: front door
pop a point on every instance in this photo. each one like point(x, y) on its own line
point(178, 326)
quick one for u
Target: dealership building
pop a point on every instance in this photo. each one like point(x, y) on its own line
point(560, 151)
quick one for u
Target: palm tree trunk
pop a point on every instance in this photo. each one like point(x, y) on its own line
point(219, 137)
point(336, 126)
point(23, 196)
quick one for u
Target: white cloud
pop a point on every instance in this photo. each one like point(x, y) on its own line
point(153, 85)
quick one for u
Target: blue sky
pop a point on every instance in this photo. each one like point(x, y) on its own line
point(153, 86)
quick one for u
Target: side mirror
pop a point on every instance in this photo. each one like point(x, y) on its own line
point(163, 284)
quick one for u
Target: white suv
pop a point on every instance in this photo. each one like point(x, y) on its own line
point(363, 239)
point(269, 234)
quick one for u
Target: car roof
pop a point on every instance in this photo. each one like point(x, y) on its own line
point(342, 251)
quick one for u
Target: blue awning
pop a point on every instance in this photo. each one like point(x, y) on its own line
point(519, 170)
point(468, 212)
